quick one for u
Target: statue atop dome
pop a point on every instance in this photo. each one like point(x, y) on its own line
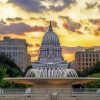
point(50, 26)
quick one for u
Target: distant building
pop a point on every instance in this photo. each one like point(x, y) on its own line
point(86, 59)
point(16, 49)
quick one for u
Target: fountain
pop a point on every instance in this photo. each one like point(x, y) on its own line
point(50, 76)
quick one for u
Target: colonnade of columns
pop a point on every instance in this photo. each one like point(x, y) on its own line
point(50, 54)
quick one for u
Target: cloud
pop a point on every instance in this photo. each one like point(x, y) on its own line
point(30, 45)
point(40, 5)
point(73, 50)
point(37, 45)
point(65, 18)
point(14, 28)
point(14, 19)
point(98, 7)
point(95, 21)
point(28, 5)
point(90, 5)
point(61, 4)
point(72, 26)
point(35, 54)
point(54, 23)
point(18, 28)
point(39, 29)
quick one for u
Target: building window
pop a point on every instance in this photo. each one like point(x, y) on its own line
point(13, 54)
point(16, 54)
point(86, 63)
point(86, 59)
point(93, 59)
point(79, 59)
point(78, 55)
point(79, 68)
point(79, 64)
point(86, 55)
point(22, 48)
point(86, 67)
point(14, 48)
point(97, 60)
point(93, 63)
point(9, 48)
point(21, 53)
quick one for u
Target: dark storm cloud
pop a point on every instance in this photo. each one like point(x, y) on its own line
point(37, 6)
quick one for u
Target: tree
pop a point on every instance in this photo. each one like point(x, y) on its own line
point(94, 84)
point(9, 69)
point(12, 69)
point(2, 75)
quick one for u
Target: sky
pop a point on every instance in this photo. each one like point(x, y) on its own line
point(76, 22)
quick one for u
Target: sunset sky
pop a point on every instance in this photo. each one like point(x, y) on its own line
point(76, 22)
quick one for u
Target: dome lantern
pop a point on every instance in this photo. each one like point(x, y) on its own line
point(50, 26)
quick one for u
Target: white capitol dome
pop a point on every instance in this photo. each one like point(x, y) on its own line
point(50, 62)
point(50, 36)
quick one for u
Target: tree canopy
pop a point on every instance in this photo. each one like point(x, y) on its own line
point(9, 69)
point(93, 71)
point(94, 84)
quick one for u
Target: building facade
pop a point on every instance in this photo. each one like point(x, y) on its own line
point(16, 50)
point(86, 59)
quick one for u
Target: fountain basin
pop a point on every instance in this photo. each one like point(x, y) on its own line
point(51, 81)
